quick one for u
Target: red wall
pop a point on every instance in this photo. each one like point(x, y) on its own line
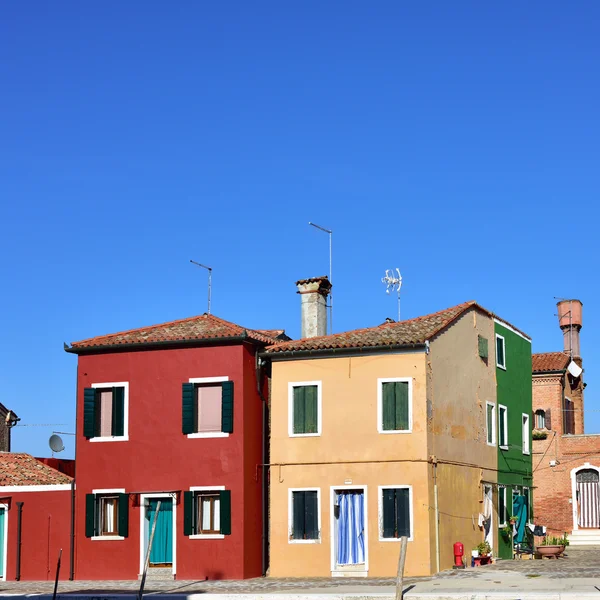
point(45, 529)
point(158, 457)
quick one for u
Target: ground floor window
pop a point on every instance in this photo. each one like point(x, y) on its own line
point(304, 515)
point(395, 513)
point(207, 512)
point(107, 514)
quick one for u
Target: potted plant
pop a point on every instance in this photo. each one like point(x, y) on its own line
point(506, 533)
point(512, 519)
point(484, 549)
point(552, 546)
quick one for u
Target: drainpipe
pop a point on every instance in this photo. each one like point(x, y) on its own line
point(19, 521)
point(72, 540)
point(437, 514)
point(264, 482)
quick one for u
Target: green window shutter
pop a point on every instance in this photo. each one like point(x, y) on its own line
point(123, 515)
point(311, 409)
point(490, 422)
point(483, 346)
point(500, 351)
point(389, 513)
point(388, 406)
point(403, 512)
point(89, 412)
point(189, 408)
point(311, 515)
point(299, 409)
point(118, 411)
point(90, 515)
point(227, 407)
point(401, 393)
point(188, 510)
point(225, 505)
point(298, 515)
point(501, 505)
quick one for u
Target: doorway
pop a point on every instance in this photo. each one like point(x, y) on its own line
point(488, 514)
point(162, 553)
point(588, 498)
point(3, 540)
point(349, 546)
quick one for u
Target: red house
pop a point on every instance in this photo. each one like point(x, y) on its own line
point(174, 413)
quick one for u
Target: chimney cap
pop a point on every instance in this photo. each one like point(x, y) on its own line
point(323, 278)
point(320, 285)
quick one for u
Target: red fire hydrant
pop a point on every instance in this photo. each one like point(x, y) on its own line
point(459, 551)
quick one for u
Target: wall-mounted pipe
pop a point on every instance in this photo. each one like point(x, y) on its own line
point(72, 540)
point(19, 523)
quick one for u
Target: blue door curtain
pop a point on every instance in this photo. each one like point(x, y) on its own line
point(351, 527)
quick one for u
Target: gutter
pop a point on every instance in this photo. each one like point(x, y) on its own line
point(264, 492)
point(341, 351)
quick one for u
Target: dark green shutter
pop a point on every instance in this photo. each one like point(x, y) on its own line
point(188, 511)
point(501, 505)
point(90, 515)
point(389, 513)
point(403, 512)
point(123, 514)
point(227, 407)
point(401, 392)
point(189, 405)
point(118, 411)
point(490, 422)
point(225, 506)
point(299, 412)
point(311, 410)
point(483, 346)
point(388, 406)
point(311, 512)
point(89, 412)
point(298, 514)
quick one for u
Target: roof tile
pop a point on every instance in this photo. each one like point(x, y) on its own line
point(24, 469)
point(549, 361)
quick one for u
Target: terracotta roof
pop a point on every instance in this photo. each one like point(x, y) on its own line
point(549, 361)
point(413, 331)
point(23, 469)
point(203, 327)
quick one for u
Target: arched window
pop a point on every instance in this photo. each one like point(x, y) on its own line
point(540, 419)
point(587, 476)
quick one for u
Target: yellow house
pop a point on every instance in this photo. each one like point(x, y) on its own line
point(378, 433)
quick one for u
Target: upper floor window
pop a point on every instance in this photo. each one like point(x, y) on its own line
point(107, 514)
point(105, 411)
point(569, 416)
point(503, 427)
point(304, 408)
point(540, 419)
point(490, 422)
point(500, 352)
point(526, 432)
point(394, 405)
point(207, 407)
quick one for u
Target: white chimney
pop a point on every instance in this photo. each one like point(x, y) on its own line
point(314, 294)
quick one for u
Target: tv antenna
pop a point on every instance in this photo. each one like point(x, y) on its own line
point(394, 283)
point(56, 444)
point(329, 232)
point(209, 269)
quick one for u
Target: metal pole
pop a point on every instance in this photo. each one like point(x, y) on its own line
point(398, 305)
point(57, 574)
point(19, 531)
point(209, 269)
point(147, 561)
point(330, 232)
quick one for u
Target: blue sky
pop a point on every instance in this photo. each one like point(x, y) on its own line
point(457, 141)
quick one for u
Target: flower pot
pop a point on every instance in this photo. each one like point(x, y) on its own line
point(550, 550)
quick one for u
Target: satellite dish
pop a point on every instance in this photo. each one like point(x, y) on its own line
point(56, 444)
point(574, 369)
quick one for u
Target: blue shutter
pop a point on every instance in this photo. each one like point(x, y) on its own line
point(90, 405)
point(227, 407)
point(189, 408)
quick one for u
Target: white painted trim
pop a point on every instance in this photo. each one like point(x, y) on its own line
point(125, 436)
point(359, 572)
point(290, 515)
point(143, 498)
point(208, 379)
point(291, 386)
point(4, 542)
point(207, 536)
point(206, 488)
point(501, 518)
point(56, 487)
point(512, 329)
point(107, 538)
point(109, 491)
point(381, 381)
point(574, 472)
point(494, 428)
point(208, 434)
point(505, 445)
point(501, 337)
point(525, 432)
point(380, 511)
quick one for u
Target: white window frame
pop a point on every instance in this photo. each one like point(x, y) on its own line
point(207, 434)
point(380, 511)
point(501, 337)
point(494, 432)
point(4, 542)
point(291, 515)
point(291, 386)
point(529, 506)
point(206, 488)
point(143, 498)
point(525, 430)
point(502, 518)
point(537, 415)
point(380, 383)
point(106, 492)
point(505, 423)
point(125, 436)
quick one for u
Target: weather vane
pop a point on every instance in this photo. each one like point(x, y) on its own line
point(394, 283)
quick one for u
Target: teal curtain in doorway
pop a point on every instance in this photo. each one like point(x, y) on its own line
point(519, 511)
point(162, 547)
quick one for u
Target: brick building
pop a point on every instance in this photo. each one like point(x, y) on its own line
point(566, 461)
point(8, 420)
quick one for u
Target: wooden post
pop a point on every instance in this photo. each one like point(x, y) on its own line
point(401, 560)
point(147, 561)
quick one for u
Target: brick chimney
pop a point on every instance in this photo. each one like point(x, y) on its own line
point(569, 319)
point(314, 294)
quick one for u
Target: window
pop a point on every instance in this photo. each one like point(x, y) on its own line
point(105, 411)
point(395, 512)
point(525, 432)
point(482, 343)
point(304, 408)
point(540, 419)
point(569, 416)
point(500, 352)
point(394, 405)
point(207, 407)
point(107, 514)
point(304, 516)
point(527, 504)
point(501, 506)
point(207, 512)
point(503, 426)
point(491, 423)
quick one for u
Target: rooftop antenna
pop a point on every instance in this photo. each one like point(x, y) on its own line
point(328, 231)
point(56, 444)
point(209, 269)
point(394, 283)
